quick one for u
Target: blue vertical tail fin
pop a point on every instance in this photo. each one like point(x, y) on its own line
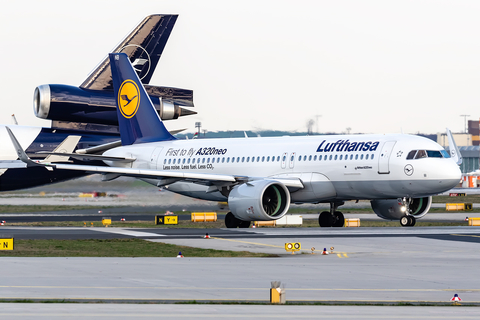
point(137, 118)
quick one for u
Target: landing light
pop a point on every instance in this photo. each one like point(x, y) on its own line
point(403, 208)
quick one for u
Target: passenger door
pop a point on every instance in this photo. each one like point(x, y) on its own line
point(384, 158)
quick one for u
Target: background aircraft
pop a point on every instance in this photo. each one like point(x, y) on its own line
point(89, 110)
point(260, 177)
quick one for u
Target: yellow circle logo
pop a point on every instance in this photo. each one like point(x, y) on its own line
point(128, 98)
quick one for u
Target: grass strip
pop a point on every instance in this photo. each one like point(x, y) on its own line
point(114, 248)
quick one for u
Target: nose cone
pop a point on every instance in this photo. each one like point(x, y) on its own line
point(450, 175)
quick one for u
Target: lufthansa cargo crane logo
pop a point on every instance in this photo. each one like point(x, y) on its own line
point(128, 98)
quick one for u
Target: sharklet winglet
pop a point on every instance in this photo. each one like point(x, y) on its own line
point(20, 152)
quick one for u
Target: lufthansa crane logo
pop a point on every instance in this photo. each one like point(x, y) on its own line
point(128, 98)
point(408, 169)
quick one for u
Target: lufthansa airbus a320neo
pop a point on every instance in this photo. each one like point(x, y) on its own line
point(260, 177)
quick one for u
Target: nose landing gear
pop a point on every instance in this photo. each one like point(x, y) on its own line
point(407, 221)
point(333, 218)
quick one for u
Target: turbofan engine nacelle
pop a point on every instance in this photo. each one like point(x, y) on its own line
point(69, 103)
point(394, 209)
point(260, 200)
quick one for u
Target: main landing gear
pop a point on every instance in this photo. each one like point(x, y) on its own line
point(407, 221)
point(233, 222)
point(333, 218)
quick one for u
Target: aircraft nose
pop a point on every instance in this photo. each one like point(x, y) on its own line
point(453, 173)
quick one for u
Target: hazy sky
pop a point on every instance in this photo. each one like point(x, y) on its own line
point(373, 66)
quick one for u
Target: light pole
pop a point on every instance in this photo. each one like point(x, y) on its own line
point(465, 117)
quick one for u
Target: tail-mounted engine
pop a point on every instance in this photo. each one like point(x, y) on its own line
point(68, 103)
point(394, 209)
point(259, 200)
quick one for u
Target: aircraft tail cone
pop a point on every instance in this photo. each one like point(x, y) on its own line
point(180, 255)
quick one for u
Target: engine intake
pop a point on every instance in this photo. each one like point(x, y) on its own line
point(260, 200)
point(394, 209)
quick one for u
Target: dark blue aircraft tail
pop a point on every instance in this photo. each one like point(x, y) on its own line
point(137, 118)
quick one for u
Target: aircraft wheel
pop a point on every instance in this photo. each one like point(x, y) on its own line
point(325, 219)
point(412, 221)
point(407, 221)
point(231, 221)
point(244, 224)
point(339, 220)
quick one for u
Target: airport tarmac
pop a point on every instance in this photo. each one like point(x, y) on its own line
point(196, 311)
point(368, 265)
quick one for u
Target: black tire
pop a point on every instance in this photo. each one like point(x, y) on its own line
point(325, 219)
point(244, 224)
point(231, 221)
point(406, 221)
point(412, 221)
point(339, 220)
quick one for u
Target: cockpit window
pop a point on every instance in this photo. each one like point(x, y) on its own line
point(411, 154)
point(434, 154)
point(420, 154)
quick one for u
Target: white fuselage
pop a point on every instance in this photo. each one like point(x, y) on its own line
point(337, 167)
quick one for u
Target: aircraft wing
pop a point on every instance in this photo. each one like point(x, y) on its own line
point(86, 157)
point(146, 173)
point(160, 174)
point(12, 164)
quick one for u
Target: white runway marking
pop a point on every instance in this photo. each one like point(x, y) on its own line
point(128, 232)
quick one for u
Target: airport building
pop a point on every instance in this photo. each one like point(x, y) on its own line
point(469, 146)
